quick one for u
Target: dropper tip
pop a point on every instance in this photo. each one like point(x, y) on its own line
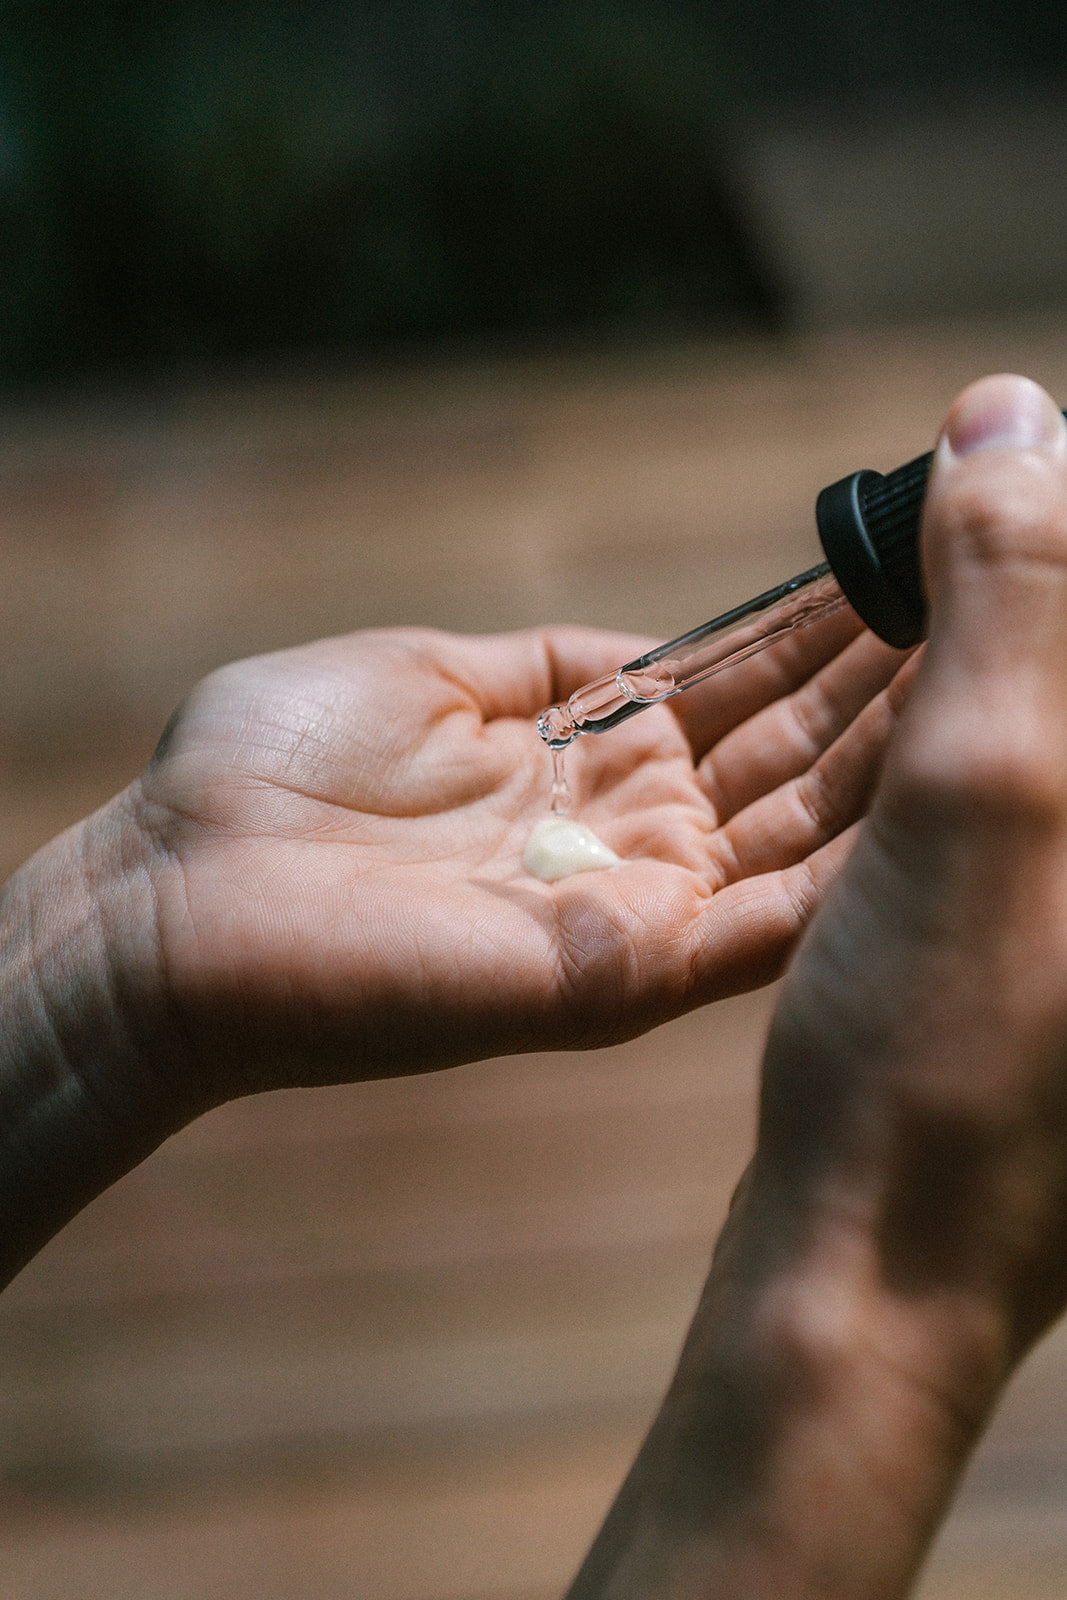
point(557, 727)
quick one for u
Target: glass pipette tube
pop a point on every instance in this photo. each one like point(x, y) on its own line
point(869, 528)
point(694, 656)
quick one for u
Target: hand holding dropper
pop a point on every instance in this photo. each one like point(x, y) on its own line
point(869, 527)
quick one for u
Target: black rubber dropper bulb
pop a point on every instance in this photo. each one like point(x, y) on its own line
point(869, 529)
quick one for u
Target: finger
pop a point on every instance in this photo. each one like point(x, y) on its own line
point(787, 738)
point(988, 725)
point(745, 933)
point(709, 711)
point(797, 820)
point(519, 674)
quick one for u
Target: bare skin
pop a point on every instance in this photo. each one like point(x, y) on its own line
point(900, 1239)
point(319, 878)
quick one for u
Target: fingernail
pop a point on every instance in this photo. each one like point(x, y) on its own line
point(1014, 415)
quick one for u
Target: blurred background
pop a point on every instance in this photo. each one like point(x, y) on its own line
point(183, 185)
point(326, 316)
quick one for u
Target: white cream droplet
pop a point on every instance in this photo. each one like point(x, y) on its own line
point(557, 848)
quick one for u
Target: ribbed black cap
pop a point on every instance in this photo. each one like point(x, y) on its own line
point(869, 527)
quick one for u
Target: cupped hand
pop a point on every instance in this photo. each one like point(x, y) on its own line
point(336, 838)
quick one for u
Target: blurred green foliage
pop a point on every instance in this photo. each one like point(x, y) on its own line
point(194, 181)
point(186, 181)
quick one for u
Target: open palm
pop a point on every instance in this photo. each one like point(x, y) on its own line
point(337, 836)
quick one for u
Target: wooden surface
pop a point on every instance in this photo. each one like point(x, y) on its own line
point(398, 1342)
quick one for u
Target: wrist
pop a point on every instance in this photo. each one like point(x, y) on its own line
point(876, 1396)
point(815, 1428)
point(88, 1068)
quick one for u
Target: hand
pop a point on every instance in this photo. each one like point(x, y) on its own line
point(916, 1081)
point(900, 1239)
point(336, 837)
point(319, 877)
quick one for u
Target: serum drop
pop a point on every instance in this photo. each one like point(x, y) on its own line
point(561, 795)
point(557, 847)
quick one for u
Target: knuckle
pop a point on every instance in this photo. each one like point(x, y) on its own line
point(813, 711)
point(819, 799)
point(1008, 772)
point(997, 518)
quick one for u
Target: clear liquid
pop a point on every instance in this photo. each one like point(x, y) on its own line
point(721, 643)
point(561, 795)
point(733, 637)
point(601, 704)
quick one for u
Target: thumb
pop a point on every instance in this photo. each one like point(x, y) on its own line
point(990, 705)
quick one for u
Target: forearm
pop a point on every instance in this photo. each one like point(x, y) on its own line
point(83, 1044)
point(814, 1431)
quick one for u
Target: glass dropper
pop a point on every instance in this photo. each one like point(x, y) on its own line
point(869, 528)
point(696, 655)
